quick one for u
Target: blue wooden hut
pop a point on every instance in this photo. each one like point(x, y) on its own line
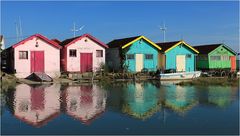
point(133, 54)
point(177, 55)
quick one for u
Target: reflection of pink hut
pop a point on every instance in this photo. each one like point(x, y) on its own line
point(84, 103)
point(36, 105)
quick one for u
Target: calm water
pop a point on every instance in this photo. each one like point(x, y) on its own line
point(126, 108)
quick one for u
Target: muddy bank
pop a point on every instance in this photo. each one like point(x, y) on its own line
point(206, 81)
point(10, 81)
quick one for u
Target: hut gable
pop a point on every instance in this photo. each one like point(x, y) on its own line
point(50, 42)
point(167, 46)
point(205, 49)
point(121, 42)
point(125, 42)
point(70, 41)
point(209, 48)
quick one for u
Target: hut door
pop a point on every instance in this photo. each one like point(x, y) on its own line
point(139, 62)
point(86, 62)
point(37, 61)
point(233, 63)
point(180, 62)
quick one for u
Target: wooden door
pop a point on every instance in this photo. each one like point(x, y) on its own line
point(139, 62)
point(180, 63)
point(233, 63)
point(37, 61)
point(86, 62)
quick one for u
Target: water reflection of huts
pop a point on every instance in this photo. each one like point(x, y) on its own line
point(139, 100)
point(35, 105)
point(179, 99)
point(39, 104)
point(85, 102)
point(217, 96)
point(143, 100)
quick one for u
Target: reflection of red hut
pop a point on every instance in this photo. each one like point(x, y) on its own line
point(84, 103)
point(36, 105)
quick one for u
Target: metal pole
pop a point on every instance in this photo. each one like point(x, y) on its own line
point(17, 31)
point(164, 32)
point(74, 29)
point(20, 29)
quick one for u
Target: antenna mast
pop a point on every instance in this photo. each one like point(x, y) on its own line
point(164, 28)
point(17, 32)
point(20, 29)
point(76, 30)
point(18, 26)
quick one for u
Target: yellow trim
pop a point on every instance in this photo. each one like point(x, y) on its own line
point(182, 43)
point(141, 37)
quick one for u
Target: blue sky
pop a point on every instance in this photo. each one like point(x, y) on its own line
point(195, 22)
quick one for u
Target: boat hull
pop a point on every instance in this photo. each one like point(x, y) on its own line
point(180, 76)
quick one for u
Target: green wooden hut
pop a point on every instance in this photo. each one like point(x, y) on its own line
point(216, 56)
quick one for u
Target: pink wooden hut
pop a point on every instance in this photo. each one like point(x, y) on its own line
point(34, 54)
point(82, 54)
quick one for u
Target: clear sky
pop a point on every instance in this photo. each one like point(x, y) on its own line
point(195, 22)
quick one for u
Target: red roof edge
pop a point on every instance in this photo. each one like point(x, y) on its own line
point(89, 36)
point(41, 37)
point(56, 40)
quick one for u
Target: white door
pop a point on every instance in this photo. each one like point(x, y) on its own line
point(139, 62)
point(180, 62)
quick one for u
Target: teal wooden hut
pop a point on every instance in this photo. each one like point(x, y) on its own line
point(216, 56)
point(133, 54)
point(177, 55)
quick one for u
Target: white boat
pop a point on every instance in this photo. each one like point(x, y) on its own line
point(180, 75)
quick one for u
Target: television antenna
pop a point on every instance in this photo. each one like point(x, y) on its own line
point(18, 25)
point(164, 29)
point(20, 29)
point(17, 32)
point(76, 30)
